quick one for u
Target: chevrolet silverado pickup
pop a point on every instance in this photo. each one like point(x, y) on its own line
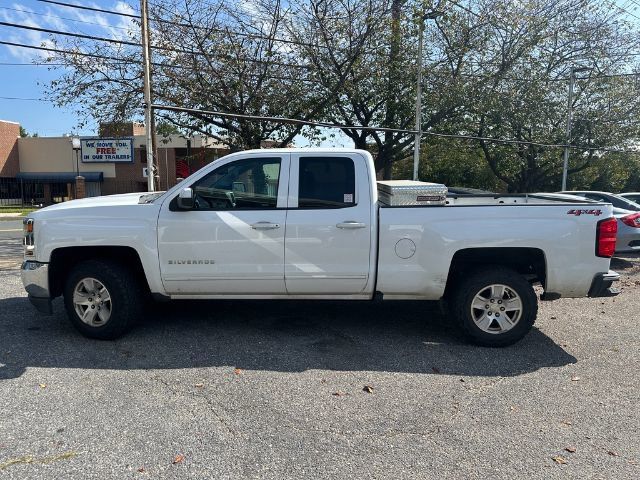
point(309, 224)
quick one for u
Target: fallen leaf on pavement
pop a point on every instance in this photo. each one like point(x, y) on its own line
point(141, 470)
point(559, 459)
point(613, 454)
point(199, 385)
point(43, 385)
point(178, 459)
point(237, 371)
point(570, 449)
point(567, 422)
point(368, 389)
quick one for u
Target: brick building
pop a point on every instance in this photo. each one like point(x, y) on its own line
point(44, 169)
point(9, 134)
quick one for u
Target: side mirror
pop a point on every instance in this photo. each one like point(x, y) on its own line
point(185, 199)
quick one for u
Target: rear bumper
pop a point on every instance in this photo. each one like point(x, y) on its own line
point(601, 286)
point(35, 278)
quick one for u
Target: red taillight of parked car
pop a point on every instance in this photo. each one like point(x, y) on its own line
point(633, 220)
point(606, 237)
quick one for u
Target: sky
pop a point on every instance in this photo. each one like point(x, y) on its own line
point(21, 84)
point(24, 83)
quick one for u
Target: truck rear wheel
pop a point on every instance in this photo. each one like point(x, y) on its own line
point(103, 299)
point(495, 307)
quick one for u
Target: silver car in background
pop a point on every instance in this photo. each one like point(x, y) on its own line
point(617, 201)
point(626, 212)
point(633, 196)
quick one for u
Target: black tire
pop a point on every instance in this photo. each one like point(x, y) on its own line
point(126, 304)
point(465, 292)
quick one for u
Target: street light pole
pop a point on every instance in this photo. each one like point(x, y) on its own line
point(148, 111)
point(572, 81)
point(432, 15)
point(418, 128)
point(76, 146)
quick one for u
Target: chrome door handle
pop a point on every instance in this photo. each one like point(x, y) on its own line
point(349, 224)
point(265, 226)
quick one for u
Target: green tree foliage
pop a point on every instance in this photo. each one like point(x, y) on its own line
point(497, 69)
point(455, 163)
point(24, 133)
point(526, 57)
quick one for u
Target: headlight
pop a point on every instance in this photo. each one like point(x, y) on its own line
point(28, 241)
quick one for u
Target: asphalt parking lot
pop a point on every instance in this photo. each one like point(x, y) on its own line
point(277, 390)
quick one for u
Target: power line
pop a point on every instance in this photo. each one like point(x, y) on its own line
point(524, 142)
point(264, 118)
point(379, 129)
point(57, 50)
point(234, 32)
point(27, 99)
point(121, 61)
point(92, 9)
point(188, 25)
point(69, 34)
point(168, 49)
point(613, 4)
point(134, 44)
point(125, 62)
point(30, 12)
point(226, 57)
point(466, 9)
point(35, 64)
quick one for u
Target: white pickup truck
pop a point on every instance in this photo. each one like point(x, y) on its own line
point(307, 224)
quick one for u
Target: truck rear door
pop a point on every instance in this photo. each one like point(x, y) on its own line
point(329, 226)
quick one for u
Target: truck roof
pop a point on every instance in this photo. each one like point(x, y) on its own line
point(307, 150)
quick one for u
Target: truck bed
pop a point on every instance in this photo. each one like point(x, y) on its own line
point(417, 243)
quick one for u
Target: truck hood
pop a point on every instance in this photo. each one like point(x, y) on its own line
point(106, 201)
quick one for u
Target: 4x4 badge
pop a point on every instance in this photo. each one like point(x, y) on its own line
point(577, 213)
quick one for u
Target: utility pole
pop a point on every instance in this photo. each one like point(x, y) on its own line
point(148, 111)
point(572, 81)
point(432, 15)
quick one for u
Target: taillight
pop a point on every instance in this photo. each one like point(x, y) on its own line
point(633, 220)
point(606, 237)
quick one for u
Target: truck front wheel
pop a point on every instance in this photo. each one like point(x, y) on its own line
point(495, 307)
point(103, 299)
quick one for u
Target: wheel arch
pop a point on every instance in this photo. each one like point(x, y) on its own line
point(528, 261)
point(64, 260)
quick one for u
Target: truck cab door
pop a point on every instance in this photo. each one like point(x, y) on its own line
point(232, 241)
point(328, 241)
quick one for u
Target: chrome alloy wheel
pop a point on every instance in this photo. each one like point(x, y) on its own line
point(92, 302)
point(496, 309)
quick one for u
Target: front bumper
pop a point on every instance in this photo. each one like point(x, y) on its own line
point(35, 278)
point(601, 286)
